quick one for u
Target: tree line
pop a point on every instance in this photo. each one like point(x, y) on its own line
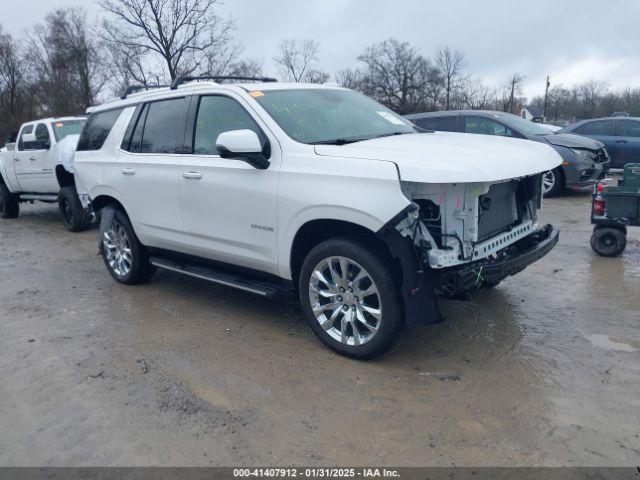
point(66, 64)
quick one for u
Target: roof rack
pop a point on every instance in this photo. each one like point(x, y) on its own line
point(188, 78)
point(135, 88)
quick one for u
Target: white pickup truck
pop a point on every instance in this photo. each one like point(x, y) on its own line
point(39, 167)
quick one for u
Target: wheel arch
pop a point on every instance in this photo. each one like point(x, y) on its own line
point(316, 231)
point(104, 200)
point(65, 179)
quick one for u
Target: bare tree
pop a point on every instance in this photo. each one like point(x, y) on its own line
point(397, 75)
point(228, 62)
point(65, 62)
point(475, 95)
point(15, 91)
point(512, 89)
point(295, 59)
point(350, 78)
point(450, 63)
point(182, 34)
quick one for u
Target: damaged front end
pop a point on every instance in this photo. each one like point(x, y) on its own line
point(468, 236)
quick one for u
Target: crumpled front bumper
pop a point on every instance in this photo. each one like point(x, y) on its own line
point(468, 278)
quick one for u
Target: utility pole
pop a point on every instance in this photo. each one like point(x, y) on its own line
point(546, 93)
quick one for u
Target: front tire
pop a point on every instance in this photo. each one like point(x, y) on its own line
point(74, 217)
point(350, 299)
point(9, 205)
point(126, 259)
point(608, 242)
point(552, 183)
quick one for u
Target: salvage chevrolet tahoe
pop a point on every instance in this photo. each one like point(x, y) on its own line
point(312, 190)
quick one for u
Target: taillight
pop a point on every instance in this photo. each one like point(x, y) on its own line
point(600, 187)
point(599, 205)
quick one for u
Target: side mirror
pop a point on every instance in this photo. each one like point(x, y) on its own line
point(29, 137)
point(242, 145)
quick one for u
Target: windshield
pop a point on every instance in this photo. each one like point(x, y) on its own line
point(67, 127)
point(523, 126)
point(330, 115)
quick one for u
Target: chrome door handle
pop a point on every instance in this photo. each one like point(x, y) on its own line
point(128, 171)
point(192, 175)
point(33, 159)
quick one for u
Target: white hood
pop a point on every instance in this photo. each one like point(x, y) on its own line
point(444, 157)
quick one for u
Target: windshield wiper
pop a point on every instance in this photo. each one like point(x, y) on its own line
point(339, 141)
point(392, 134)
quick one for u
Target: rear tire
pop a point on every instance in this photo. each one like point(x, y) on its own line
point(608, 242)
point(552, 183)
point(357, 312)
point(126, 259)
point(74, 217)
point(9, 205)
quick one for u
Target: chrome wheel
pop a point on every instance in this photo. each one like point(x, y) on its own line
point(117, 249)
point(548, 181)
point(345, 301)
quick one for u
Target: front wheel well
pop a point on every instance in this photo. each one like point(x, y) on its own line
point(317, 231)
point(65, 179)
point(102, 201)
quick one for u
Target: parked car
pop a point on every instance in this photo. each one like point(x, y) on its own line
point(620, 114)
point(584, 160)
point(620, 135)
point(552, 128)
point(35, 168)
point(314, 190)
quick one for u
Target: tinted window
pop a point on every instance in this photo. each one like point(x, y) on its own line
point(25, 130)
point(132, 140)
point(600, 127)
point(628, 128)
point(42, 133)
point(486, 126)
point(164, 125)
point(218, 114)
point(443, 124)
point(97, 129)
point(67, 127)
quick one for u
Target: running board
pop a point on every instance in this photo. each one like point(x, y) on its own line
point(259, 287)
point(42, 197)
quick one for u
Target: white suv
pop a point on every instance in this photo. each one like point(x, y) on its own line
point(313, 190)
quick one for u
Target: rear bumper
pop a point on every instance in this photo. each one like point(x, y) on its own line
point(472, 277)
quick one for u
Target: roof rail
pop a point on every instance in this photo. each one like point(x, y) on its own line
point(134, 88)
point(188, 78)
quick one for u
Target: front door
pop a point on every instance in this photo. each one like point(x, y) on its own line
point(33, 163)
point(228, 206)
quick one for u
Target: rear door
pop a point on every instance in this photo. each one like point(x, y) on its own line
point(228, 206)
point(149, 171)
point(628, 141)
point(33, 166)
point(602, 131)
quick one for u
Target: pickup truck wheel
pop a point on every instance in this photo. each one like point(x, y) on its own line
point(125, 257)
point(74, 217)
point(350, 299)
point(9, 206)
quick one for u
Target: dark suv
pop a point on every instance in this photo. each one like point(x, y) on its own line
point(584, 159)
point(620, 135)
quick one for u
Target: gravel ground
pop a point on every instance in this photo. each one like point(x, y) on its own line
point(544, 370)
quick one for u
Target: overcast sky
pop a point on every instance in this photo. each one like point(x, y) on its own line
point(570, 40)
